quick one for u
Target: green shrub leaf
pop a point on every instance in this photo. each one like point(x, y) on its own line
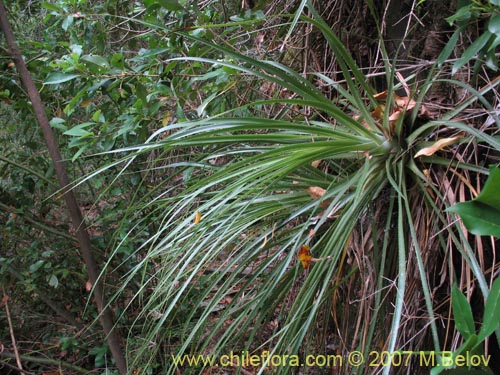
point(494, 24)
point(491, 317)
point(489, 195)
point(481, 216)
point(79, 130)
point(56, 78)
point(53, 281)
point(462, 14)
point(172, 5)
point(462, 313)
point(96, 63)
point(53, 7)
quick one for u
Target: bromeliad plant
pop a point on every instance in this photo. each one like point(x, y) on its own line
point(241, 197)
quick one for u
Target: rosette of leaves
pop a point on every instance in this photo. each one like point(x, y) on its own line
point(241, 193)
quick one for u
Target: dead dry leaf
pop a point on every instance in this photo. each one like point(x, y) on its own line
point(315, 192)
point(197, 217)
point(305, 256)
point(381, 95)
point(393, 120)
point(438, 145)
point(378, 112)
point(404, 102)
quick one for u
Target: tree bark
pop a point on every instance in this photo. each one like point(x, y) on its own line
point(105, 313)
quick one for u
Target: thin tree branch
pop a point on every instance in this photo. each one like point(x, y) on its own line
point(105, 316)
point(5, 300)
point(47, 361)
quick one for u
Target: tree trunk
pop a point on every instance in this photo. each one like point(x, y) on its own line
point(105, 313)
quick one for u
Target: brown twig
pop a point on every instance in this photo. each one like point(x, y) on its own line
point(5, 300)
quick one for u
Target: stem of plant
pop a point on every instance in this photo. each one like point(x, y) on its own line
point(105, 313)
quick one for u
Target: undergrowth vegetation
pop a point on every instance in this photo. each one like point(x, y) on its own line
point(248, 194)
